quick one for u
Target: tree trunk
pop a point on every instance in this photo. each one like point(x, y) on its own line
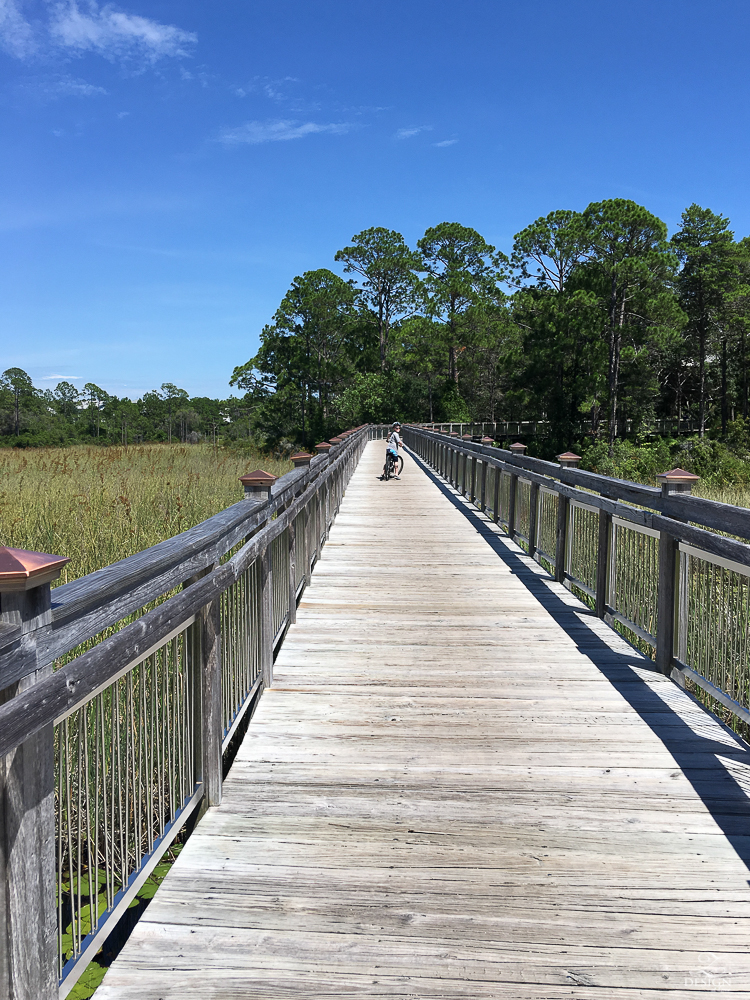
point(744, 377)
point(452, 370)
point(382, 338)
point(615, 343)
point(702, 376)
point(724, 407)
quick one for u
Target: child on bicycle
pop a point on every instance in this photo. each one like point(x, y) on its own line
point(394, 443)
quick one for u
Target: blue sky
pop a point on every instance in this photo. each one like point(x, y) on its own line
point(167, 168)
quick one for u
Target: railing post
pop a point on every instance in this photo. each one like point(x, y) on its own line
point(483, 488)
point(301, 460)
point(318, 501)
point(602, 562)
point(561, 546)
point(292, 540)
point(666, 601)
point(513, 492)
point(667, 608)
point(266, 616)
point(533, 507)
point(327, 508)
point(682, 603)
point(28, 927)
point(211, 702)
point(496, 497)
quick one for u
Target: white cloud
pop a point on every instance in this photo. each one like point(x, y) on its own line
point(46, 378)
point(79, 26)
point(407, 133)
point(254, 133)
point(115, 34)
point(446, 142)
point(51, 87)
point(68, 87)
point(16, 34)
point(274, 90)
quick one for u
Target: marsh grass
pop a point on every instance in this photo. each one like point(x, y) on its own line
point(99, 505)
point(738, 494)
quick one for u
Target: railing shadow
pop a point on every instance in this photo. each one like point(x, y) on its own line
point(696, 753)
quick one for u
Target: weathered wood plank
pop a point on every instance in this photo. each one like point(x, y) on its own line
point(83, 608)
point(461, 784)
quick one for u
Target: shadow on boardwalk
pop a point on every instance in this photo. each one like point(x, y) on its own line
point(715, 760)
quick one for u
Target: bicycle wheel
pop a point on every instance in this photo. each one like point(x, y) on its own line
point(388, 468)
point(398, 466)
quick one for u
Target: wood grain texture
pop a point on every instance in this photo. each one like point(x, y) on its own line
point(57, 694)
point(462, 784)
point(28, 939)
point(83, 608)
point(711, 513)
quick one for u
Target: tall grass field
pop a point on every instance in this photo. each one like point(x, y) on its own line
point(98, 505)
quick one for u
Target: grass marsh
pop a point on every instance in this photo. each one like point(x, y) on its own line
point(98, 505)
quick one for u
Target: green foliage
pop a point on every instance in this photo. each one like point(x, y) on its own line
point(637, 463)
point(598, 327)
point(306, 358)
point(713, 461)
point(95, 971)
point(719, 464)
point(707, 283)
point(66, 416)
point(98, 505)
point(452, 406)
point(463, 275)
point(387, 267)
point(369, 398)
point(630, 267)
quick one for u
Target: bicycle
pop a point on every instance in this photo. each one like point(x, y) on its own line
point(394, 465)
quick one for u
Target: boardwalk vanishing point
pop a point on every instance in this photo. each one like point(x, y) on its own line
point(461, 784)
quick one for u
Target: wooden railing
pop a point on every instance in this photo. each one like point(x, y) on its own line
point(104, 759)
point(642, 556)
point(499, 429)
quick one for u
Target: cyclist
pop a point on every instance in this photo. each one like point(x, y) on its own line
point(391, 451)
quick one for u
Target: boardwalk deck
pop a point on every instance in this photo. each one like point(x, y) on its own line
point(461, 784)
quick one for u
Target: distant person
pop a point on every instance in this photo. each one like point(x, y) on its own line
point(391, 450)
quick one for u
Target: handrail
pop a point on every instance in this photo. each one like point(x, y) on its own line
point(710, 513)
point(127, 738)
point(629, 549)
point(85, 607)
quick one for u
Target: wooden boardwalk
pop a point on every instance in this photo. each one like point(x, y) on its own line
point(461, 784)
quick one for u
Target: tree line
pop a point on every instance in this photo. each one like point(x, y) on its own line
point(597, 322)
point(67, 415)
